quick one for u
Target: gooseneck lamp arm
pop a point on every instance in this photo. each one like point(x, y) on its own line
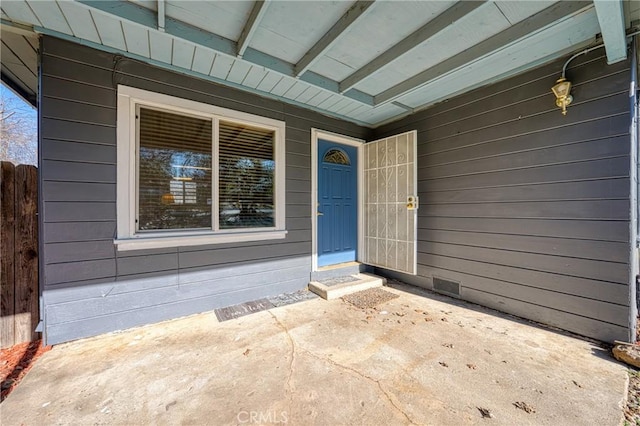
point(584, 52)
point(590, 49)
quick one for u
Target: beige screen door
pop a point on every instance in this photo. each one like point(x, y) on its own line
point(390, 203)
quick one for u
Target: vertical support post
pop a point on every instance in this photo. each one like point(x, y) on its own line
point(7, 274)
point(26, 253)
point(634, 240)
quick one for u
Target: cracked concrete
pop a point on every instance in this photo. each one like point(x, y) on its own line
point(293, 358)
point(417, 359)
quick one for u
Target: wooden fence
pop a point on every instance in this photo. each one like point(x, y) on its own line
point(19, 306)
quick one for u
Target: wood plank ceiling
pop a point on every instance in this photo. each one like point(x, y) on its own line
point(19, 56)
point(367, 62)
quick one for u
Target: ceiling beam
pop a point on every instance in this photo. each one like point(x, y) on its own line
point(519, 70)
point(495, 43)
point(327, 40)
point(447, 18)
point(250, 27)
point(403, 106)
point(131, 12)
point(612, 26)
point(161, 15)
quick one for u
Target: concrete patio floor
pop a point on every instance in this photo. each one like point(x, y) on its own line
point(417, 359)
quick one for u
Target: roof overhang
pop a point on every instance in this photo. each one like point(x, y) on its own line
point(366, 62)
point(19, 58)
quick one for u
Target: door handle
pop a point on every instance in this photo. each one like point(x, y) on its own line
point(320, 214)
point(412, 202)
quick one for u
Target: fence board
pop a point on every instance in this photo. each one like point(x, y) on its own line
point(19, 294)
point(7, 277)
point(26, 253)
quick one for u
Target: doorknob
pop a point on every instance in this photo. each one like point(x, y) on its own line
point(320, 214)
point(412, 203)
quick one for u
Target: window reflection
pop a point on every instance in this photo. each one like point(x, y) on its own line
point(174, 171)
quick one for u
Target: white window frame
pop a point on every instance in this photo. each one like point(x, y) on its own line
point(129, 99)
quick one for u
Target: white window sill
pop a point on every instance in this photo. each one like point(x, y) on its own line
point(151, 242)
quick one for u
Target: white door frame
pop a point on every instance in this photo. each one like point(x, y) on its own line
point(346, 140)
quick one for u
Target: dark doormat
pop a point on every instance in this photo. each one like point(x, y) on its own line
point(237, 311)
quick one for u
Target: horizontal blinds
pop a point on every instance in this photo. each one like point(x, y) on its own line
point(247, 166)
point(174, 171)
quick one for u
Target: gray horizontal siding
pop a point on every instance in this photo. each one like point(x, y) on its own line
point(79, 251)
point(561, 284)
point(69, 130)
point(578, 305)
point(63, 109)
point(520, 156)
point(77, 271)
point(78, 211)
point(428, 252)
point(568, 172)
point(94, 288)
point(175, 307)
point(89, 287)
point(65, 232)
point(494, 123)
point(174, 289)
point(584, 249)
point(606, 209)
point(580, 190)
point(568, 229)
point(73, 171)
point(61, 88)
point(526, 208)
point(85, 152)
point(79, 191)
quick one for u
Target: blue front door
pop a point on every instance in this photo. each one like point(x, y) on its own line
point(337, 203)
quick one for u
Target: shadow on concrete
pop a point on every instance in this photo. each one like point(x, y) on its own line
point(599, 349)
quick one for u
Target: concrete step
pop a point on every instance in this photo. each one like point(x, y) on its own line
point(339, 270)
point(334, 288)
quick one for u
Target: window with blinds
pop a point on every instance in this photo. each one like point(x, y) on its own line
point(246, 176)
point(191, 173)
point(174, 171)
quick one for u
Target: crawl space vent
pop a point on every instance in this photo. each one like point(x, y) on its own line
point(446, 286)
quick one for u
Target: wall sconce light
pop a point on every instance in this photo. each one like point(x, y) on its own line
point(562, 90)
